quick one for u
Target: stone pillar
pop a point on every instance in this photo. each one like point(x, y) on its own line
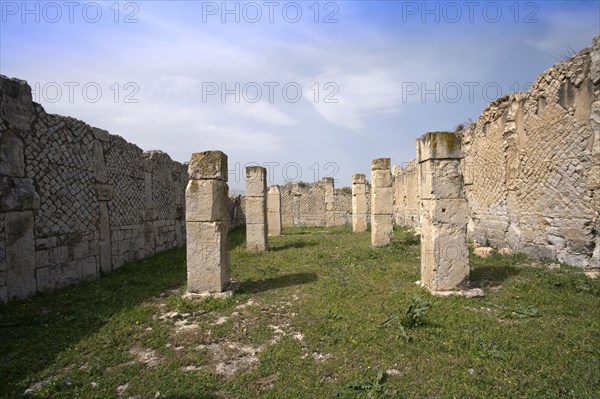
point(398, 215)
point(18, 202)
point(359, 203)
point(274, 211)
point(329, 201)
point(443, 213)
point(104, 193)
point(256, 208)
point(206, 223)
point(382, 202)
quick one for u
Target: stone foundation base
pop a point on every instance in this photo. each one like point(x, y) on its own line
point(227, 293)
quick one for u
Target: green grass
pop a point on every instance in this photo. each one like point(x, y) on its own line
point(309, 321)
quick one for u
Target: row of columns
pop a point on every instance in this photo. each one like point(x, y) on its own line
point(443, 212)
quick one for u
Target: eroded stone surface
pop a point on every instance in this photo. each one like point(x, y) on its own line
point(359, 203)
point(274, 211)
point(208, 269)
point(382, 202)
point(444, 213)
point(256, 208)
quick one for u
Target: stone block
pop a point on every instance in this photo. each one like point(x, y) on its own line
point(359, 222)
point(274, 211)
point(80, 250)
point(99, 164)
point(89, 267)
point(330, 219)
point(359, 204)
point(381, 230)
point(359, 189)
point(381, 179)
point(42, 258)
point(382, 201)
point(441, 180)
point(104, 192)
point(20, 254)
point(358, 178)
point(448, 211)
point(12, 158)
point(439, 145)
point(17, 194)
point(208, 267)
point(444, 259)
point(208, 165)
point(101, 135)
point(381, 164)
point(256, 181)
point(45, 243)
point(256, 237)
point(206, 200)
point(256, 210)
point(58, 275)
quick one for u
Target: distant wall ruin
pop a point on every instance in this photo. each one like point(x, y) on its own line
point(76, 201)
point(406, 195)
point(532, 167)
point(304, 204)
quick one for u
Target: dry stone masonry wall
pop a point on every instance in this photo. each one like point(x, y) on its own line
point(532, 166)
point(306, 204)
point(76, 201)
point(406, 195)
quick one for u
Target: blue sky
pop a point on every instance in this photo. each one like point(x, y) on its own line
point(322, 87)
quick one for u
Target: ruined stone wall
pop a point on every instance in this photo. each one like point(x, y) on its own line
point(303, 204)
point(532, 165)
point(406, 195)
point(76, 201)
point(343, 206)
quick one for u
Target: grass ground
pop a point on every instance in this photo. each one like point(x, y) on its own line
point(308, 321)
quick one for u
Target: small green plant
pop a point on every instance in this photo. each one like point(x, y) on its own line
point(414, 316)
point(373, 387)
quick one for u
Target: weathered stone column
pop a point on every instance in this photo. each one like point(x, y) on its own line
point(443, 213)
point(206, 223)
point(329, 201)
point(256, 208)
point(274, 211)
point(359, 203)
point(382, 202)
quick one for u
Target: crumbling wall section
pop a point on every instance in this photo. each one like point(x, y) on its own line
point(406, 195)
point(532, 165)
point(304, 204)
point(75, 200)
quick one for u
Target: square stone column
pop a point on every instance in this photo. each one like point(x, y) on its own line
point(359, 203)
point(382, 202)
point(256, 208)
point(208, 268)
point(329, 201)
point(274, 211)
point(443, 212)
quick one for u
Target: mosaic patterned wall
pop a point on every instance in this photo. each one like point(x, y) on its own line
point(76, 201)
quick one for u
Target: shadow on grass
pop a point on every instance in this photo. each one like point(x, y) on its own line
point(237, 237)
point(35, 331)
point(295, 244)
point(273, 283)
point(491, 275)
